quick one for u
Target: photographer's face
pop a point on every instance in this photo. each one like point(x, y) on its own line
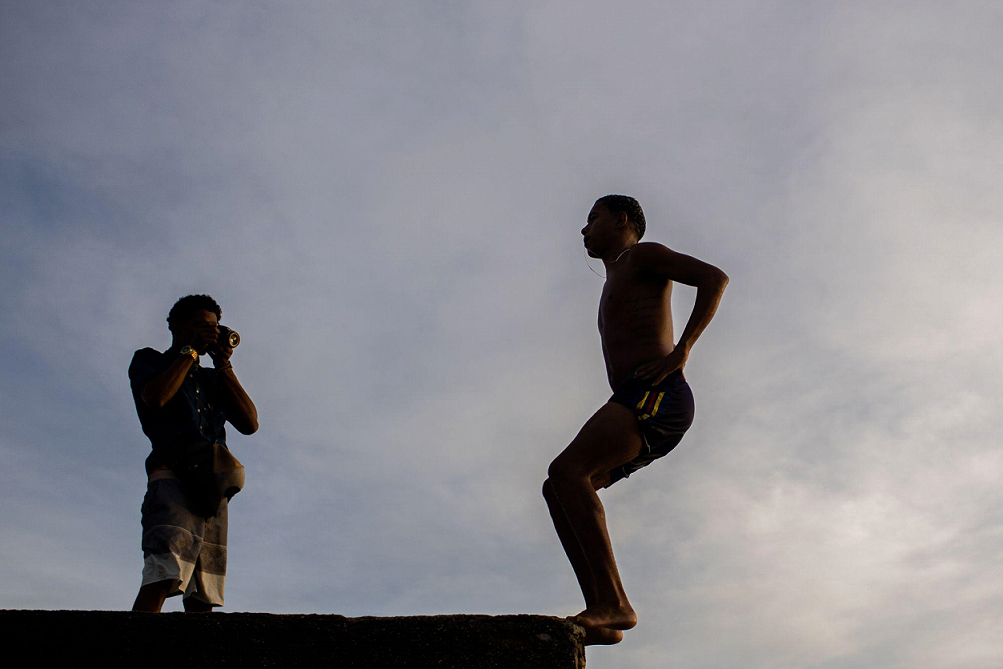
point(198, 331)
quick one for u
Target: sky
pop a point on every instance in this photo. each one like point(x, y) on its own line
point(386, 199)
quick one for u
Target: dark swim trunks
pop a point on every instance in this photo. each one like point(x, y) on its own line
point(664, 413)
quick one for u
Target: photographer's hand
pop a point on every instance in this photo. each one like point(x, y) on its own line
point(220, 355)
point(204, 339)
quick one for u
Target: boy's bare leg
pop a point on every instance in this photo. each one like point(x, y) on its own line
point(572, 548)
point(597, 635)
point(610, 438)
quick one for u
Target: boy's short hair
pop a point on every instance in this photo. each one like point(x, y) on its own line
point(625, 204)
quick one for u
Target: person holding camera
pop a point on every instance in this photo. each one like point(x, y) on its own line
point(183, 407)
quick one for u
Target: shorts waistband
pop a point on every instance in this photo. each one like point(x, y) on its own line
point(632, 378)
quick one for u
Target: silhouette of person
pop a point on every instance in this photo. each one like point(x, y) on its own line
point(183, 407)
point(651, 406)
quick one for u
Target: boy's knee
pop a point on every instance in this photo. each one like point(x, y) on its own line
point(565, 469)
point(566, 473)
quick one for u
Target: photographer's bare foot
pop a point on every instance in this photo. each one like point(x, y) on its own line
point(616, 618)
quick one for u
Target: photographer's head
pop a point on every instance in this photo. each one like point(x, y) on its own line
point(191, 314)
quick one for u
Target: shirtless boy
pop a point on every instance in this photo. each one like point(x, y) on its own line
point(651, 407)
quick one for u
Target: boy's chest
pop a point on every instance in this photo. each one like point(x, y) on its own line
point(625, 301)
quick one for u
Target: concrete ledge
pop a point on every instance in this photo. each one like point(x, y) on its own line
point(221, 640)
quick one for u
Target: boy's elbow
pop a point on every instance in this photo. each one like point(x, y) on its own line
point(716, 279)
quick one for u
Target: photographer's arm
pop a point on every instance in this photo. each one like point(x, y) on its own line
point(159, 390)
point(240, 410)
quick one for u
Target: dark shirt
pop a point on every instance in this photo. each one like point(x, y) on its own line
point(195, 413)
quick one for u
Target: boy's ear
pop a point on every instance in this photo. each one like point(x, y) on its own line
point(621, 219)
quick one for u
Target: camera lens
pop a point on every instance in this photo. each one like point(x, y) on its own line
point(228, 337)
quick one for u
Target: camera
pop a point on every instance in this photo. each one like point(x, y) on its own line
point(228, 337)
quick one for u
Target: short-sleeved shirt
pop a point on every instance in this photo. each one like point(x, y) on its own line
point(194, 413)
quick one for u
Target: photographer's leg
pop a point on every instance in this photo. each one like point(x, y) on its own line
point(151, 597)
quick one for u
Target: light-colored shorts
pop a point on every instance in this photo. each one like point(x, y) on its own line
point(181, 546)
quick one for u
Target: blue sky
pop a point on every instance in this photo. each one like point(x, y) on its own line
point(386, 199)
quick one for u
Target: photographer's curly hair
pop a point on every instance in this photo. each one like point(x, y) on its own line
point(189, 304)
point(625, 204)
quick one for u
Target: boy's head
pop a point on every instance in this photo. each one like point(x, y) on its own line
point(625, 204)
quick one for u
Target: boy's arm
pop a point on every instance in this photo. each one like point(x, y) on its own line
point(663, 263)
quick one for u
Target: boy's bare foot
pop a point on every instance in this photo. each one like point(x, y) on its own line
point(617, 618)
point(601, 636)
